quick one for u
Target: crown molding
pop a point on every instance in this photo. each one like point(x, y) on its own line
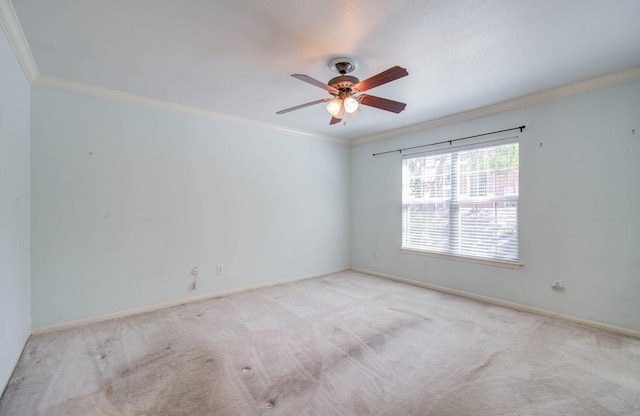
point(106, 93)
point(109, 94)
point(605, 81)
point(11, 25)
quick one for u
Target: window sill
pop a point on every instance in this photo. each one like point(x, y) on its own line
point(496, 263)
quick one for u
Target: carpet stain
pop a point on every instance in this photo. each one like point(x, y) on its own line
point(165, 382)
point(411, 313)
point(477, 369)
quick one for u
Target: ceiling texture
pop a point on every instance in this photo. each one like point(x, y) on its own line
point(235, 57)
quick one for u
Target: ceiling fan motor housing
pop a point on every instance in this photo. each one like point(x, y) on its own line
point(343, 83)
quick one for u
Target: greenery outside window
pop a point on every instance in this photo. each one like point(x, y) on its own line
point(463, 203)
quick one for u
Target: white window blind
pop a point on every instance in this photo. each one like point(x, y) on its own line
point(462, 203)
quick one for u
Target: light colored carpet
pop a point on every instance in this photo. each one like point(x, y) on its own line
point(345, 344)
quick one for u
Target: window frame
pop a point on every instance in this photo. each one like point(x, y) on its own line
point(514, 264)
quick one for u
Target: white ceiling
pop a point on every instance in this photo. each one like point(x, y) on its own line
point(235, 57)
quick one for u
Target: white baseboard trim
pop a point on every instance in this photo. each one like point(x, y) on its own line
point(5, 381)
point(506, 304)
point(183, 301)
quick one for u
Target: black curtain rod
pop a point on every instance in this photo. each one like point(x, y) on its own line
point(450, 141)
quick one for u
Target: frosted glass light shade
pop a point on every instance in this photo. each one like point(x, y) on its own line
point(350, 105)
point(334, 107)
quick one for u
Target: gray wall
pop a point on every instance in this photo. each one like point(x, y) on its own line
point(579, 209)
point(14, 210)
point(126, 200)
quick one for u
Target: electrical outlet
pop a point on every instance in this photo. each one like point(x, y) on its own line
point(375, 256)
point(558, 285)
point(219, 270)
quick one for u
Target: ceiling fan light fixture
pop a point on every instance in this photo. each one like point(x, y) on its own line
point(350, 105)
point(346, 91)
point(335, 107)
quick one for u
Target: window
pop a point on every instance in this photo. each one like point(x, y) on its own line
point(462, 203)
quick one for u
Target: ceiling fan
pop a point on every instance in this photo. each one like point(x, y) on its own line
point(346, 90)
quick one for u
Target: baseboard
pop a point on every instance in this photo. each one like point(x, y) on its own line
point(183, 301)
point(506, 304)
point(5, 381)
point(468, 295)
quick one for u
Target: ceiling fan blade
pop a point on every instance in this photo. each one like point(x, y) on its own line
point(389, 75)
point(382, 103)
point(334, 120)
point(324, 100)
point(313, 81)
